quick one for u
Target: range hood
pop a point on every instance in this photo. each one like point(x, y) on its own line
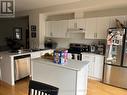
point(76, 30)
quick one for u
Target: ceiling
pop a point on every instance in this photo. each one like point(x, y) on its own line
point(22, 5)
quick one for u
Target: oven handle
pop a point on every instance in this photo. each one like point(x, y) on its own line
point(80, 57)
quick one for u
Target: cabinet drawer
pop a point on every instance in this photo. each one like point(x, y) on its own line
point(35, 55)
point(88, 58)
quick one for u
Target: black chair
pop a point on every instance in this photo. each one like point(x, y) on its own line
point(38, 88)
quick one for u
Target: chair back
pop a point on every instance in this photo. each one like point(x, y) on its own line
point(38, 88)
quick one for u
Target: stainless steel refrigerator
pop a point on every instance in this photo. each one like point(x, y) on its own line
point(115, 65)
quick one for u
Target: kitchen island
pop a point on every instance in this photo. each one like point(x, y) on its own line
point(71, 78)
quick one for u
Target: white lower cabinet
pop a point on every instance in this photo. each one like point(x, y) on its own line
point(95, 65)
point(35, 54)
point(98, 67)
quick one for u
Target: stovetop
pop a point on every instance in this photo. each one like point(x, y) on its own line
point(78, 48)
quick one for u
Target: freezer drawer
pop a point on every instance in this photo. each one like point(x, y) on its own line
point(115, 75)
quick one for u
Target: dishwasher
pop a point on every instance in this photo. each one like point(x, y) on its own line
point(22, 66)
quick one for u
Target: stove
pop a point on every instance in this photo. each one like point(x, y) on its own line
point(77, 49)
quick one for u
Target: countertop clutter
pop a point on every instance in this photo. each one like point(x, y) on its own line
point(58, 56)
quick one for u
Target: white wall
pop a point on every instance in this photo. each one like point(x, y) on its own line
point(42, 19)
point(64, 43)
point(34, 20)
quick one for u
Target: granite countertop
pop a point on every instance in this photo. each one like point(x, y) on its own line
point(71, 64)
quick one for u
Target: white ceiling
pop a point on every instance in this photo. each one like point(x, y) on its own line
point(22, 5)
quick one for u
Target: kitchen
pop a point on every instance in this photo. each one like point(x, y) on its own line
point(63, 39)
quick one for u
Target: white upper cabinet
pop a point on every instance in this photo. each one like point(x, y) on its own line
point(56, 29)
point(91, 28)
point(102, 26)
point(96, 28)
point(76, 24)
point(48, 29)
point(76, 28)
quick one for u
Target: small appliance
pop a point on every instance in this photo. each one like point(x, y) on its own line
point(100, 49)
point(50, 44)
point(93, 48)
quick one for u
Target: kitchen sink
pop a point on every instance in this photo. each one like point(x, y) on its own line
point(33, 50)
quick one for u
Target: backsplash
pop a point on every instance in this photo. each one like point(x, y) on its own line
point(64, 43)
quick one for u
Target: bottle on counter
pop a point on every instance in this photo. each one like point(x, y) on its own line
point(65, 56)
point(60, 56)
point(55, 56)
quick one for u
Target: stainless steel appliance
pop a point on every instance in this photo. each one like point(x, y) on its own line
point(22, 66)
point(115, 66)
point(76, 50)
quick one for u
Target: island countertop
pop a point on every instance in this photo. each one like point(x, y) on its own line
point(71, 64)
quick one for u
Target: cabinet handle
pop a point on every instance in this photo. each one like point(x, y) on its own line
point(95, 35)
point(75, 25)
point(66, 34)
point(50, 33)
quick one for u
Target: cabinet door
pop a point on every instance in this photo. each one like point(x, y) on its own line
point(102, 26)
point(48, 29)
point(35, 54)
point(91, 69)
point(91, 59)
point(98, 67)
point(76, 24)
point(90, 28)
point(56, 29)
point(59, 28)
point(72, 24)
